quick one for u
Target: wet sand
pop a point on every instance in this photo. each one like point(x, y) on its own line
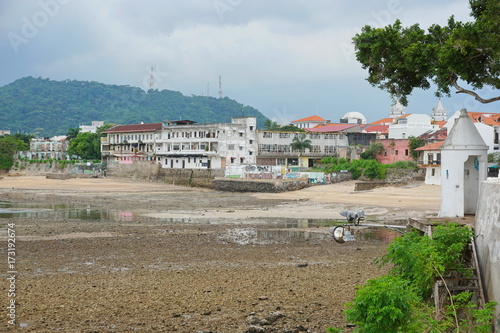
point(193, 260)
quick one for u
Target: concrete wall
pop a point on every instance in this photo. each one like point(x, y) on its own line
point(487, 229)
point(155, 173)
point(271, 186)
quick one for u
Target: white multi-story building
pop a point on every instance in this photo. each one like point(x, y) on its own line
point(411, 125)
point(183, 144)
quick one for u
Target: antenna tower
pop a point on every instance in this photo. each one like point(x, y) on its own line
point(220, 86)
point(152, 79)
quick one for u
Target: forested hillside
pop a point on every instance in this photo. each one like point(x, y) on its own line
point(46, 107)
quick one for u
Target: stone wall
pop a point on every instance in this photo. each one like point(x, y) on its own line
point(395, 177)
point(269, 186)
point(155, 173)
point(487, 229)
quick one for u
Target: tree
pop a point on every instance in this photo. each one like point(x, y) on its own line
point(413, 144)
point(373, 150)
point(8, 146)
point(300, 144)
point(271, 125)
point(290, 128)
point(400, 59)
point(72, 133)
point(86, 145)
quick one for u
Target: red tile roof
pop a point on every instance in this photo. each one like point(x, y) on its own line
point(330, 128)
point(134, 128)
point(441, 123)
point(431, 146)
point(375, 128)
point(492, 119)
point(312, 118)
point(383, 121)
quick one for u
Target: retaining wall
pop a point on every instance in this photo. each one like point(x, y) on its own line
point(155, 173)
point(269, 186)
point(487, 229)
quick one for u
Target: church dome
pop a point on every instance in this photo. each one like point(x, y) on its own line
point(354, 118)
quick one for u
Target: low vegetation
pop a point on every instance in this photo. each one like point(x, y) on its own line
point(364, 167)
point(401, 301)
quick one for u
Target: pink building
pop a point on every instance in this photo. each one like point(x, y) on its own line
point(395, 150)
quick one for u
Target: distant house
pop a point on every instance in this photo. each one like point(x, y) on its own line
point(4, 132)
point(309, 122)
point(411, 125)
point(430, 160)
point(395, 150)
point(92, 128)
point(46, 148)
point(125, 144)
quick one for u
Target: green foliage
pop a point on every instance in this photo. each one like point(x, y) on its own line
point(8, 147)
point(403, 165)
point(370, 168)
point(271, 125)
point(300, 144)
point(72, 133)
point(400, 301)
point(413, 144)
point(400, 59)
point(373, 150)
point(385, 304)
point(46, 107)
point(86, 146)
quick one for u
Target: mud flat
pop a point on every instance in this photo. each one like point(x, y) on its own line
point(109, 255)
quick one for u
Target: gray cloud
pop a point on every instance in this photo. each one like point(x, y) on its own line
point(281, 55)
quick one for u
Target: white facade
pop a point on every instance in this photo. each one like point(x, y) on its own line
point(208, 145)
point(411, 125)
point(431, 160)
point(463, 168)
point(490, 134)
point(439, 112)
point(92, 128)
point(277, 145)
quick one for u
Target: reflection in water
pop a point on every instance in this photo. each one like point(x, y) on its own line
point(39, 210)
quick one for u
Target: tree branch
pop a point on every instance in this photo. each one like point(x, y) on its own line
point(472, 93)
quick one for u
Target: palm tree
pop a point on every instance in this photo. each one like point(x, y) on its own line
point(271, 125)
point(301, 144)
point(72, 133)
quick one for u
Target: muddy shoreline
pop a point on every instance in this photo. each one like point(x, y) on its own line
point(207, 262)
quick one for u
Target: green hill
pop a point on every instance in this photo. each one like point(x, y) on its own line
point(46, 107)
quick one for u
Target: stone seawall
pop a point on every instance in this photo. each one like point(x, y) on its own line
point(269, 186)
point(155, 173)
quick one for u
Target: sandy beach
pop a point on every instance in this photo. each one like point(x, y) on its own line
point(114, 255)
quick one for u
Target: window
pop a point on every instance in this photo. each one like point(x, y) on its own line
point(232, 159)
point(250, 141)
point(251, 128)
point(397, 152)
point(433, 172)
point(230, 147)
point(267, 135)
point(406, 152)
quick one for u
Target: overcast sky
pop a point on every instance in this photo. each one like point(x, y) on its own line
point(288, 58)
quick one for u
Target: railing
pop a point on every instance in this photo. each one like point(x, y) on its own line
point(426, 162)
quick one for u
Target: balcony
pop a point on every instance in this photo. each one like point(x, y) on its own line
point(426, 163)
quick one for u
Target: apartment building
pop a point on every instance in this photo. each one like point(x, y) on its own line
point(183, 144)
